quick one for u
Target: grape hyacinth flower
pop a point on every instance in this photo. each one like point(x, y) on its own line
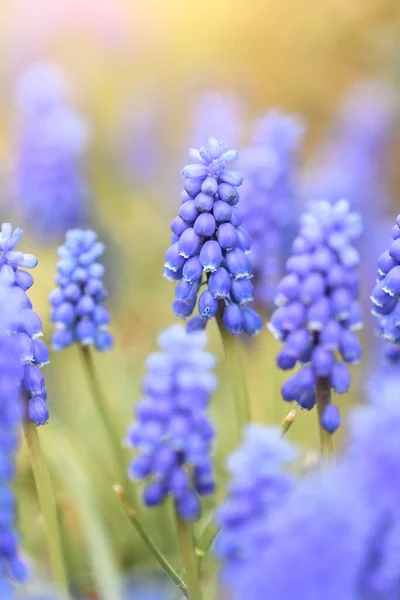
point(172, 430)
point(78, 313)
point(317, 307)
point(52, 140)
point(346, 520)
point(210, 247)
point(257, 487)
point(386, 293)
point(268, 198)
point(28, 327)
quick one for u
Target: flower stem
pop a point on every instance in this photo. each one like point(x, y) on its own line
point(235, 374)
point(107, 418)
point(48, 506)
point(323, 392)
point(188, 556)
point(131, 514)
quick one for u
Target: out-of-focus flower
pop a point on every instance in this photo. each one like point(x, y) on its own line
point(11, 418)
point(172, 429)
point(268, 198)
point(317, 306)
point(337, 535)
point(78, 312)
point(210, 246)
point(52, 140)
point(216, 113)
point(28, 326)
point(257, 487)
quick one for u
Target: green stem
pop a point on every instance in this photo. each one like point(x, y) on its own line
point(48, 506)
point(235, 374)
point(287, 422)
point(323, 393)
point(188, 556)
point(131, 514)
point(105, 415)
point(205, 542)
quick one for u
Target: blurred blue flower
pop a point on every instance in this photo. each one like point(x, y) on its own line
point(317, 306)
point(172, 430)
point(219, 113)
point(26, 324)
point(257, 487)
point(78, 312)
point(268, 198)
point(210, 247)
point(11, 419)
point(337, 535)
point(52, 140)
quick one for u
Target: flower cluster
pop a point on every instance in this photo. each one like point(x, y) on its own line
point(172, 430)
point(28, 326)
point(209, 245)
point(52, 141)
point(257, 487)
point(386, 293)
point(267, 198)
point(318, 310)
point(345, 521)
point(78, 313)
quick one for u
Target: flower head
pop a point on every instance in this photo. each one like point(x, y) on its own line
point(172, 429)
point(26, 324)
point(386, 293)
point(257, 487)
point(210, 247)
point(317, 306)
point(52, 141)
point(268, 195)
point(78, 311)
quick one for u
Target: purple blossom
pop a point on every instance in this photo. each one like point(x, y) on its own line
point(317, 306)
point(51, 143)
point(268, 197)
point(257, 487)
point(27, 328)
point(78, 312)
point(172, 430)
point(336, 535)
point(209, 246)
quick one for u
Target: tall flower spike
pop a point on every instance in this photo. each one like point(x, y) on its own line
point(257, 487)
point(52, 140)
point(78, 312)
point(268, 198)
point(317, 306)
point(172, 429)
point(209, 246)
point(28, 326)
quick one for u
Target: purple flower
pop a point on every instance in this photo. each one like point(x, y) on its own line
point(52, 140)
point(317, 306)
point(11, 418)
point(78, 312)
point(336, 535)
point(172, 429)
point(26, 326)
point(257, 488)
point(209, 246)
point(268, 195)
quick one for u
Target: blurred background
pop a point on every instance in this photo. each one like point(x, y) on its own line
point(140, 83)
